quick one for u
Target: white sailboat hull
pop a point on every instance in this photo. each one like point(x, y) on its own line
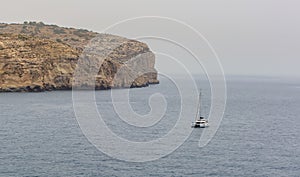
point(199, 125)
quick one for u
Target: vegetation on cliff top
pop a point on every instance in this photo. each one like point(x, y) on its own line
point(77, 38)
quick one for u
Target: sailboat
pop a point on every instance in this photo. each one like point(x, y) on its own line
point(200, 122)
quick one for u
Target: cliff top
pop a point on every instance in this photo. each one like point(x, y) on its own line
point(32, 39)
point(77, 38)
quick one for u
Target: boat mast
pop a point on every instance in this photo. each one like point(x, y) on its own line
point(198, 107)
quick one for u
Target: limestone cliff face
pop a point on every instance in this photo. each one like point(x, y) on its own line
point(45, 58)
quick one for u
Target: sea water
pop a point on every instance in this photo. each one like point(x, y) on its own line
point(258, 135)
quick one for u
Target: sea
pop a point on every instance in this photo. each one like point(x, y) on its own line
point(259, 134)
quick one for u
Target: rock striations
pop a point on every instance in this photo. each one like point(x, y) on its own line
point(39, 57)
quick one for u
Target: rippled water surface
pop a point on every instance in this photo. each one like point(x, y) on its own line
point(258, 136)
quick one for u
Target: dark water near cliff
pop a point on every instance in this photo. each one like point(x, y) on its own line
point(259, 134)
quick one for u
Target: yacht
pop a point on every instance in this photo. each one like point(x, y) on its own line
point(200, 122)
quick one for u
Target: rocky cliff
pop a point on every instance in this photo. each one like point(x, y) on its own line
point(39, 57)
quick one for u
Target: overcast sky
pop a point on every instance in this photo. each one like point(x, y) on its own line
point(251, 37)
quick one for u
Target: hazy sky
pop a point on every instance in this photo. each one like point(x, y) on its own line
point(251, 37)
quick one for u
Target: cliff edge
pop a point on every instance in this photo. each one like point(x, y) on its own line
point(39, 57)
